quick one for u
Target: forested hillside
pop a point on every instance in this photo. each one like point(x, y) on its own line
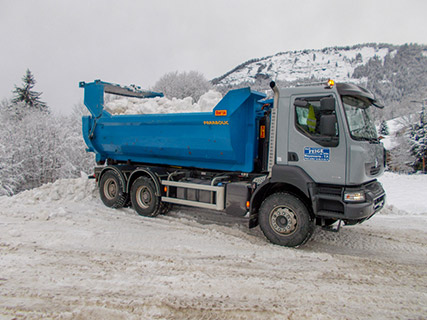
point(397, 79)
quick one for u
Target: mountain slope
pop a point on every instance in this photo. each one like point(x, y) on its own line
point(396, 74)
point(336, 63)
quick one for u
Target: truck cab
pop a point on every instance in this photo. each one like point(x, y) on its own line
point(326, 152)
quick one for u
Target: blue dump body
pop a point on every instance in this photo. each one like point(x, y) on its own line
point(225, 139)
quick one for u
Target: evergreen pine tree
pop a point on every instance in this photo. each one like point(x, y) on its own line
point(25, 94)
point(419, 142)
point(384, 129)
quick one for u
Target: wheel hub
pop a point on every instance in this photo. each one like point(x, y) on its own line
point(283, 220)
point(110, 189)
point(143, 197)
point(146, 196)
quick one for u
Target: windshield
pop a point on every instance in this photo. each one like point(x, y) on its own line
point(358, 118)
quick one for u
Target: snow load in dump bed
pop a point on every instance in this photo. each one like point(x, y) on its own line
point(94, 94)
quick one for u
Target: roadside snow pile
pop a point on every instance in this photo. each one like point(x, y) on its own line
point(77, 190)
point(51, 200)
point(163, 105)
point(406, 193)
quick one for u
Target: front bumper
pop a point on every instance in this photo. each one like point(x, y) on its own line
point(328, 202)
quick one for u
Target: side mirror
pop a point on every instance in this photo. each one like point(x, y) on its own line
point(328, 125)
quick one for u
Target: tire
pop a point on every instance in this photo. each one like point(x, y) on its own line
point(143, 197)
point(285, 220)
point(111, 190)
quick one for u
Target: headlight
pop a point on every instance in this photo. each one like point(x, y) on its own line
point(354, 196)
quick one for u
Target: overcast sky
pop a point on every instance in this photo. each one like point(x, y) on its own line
point(66, 41)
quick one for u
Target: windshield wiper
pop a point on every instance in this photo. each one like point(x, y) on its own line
point(371, 140)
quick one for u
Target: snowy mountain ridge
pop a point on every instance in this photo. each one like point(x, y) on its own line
point(337, 63)
point(396, 74)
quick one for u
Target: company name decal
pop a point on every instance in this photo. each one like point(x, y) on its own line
point(216, 123)
point(317, 154)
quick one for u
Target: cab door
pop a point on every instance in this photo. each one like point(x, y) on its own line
point(316, 141)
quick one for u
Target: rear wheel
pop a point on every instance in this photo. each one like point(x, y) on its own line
point(144, 199)
point(111, 190)
point(285, 220)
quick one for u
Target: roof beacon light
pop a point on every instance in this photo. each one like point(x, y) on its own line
point(331, 83)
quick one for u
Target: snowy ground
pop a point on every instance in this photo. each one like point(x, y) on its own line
point(64, 255)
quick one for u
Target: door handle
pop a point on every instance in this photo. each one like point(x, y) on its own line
point(292, 156)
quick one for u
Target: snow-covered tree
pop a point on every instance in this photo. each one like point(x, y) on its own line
point(39, 147)
point(30, 147)
point(181, 85)
point(419, 141)
point(72, 149)
point(400, 157)
point(384, 130)
point(26, 95)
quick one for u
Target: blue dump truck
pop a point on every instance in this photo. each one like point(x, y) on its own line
point(309, 156)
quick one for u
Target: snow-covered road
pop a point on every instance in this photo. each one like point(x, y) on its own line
point(64, 255)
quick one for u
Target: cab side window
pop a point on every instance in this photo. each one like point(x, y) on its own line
point(308, 117)
point(316, 120)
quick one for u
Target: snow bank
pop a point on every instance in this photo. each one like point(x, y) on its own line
point(62, 190)
point(163, 105)
point(405, 193)
point(51, 200)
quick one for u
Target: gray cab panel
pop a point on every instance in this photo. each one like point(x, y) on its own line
point(310, 143)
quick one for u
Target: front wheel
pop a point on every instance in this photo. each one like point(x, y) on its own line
point(285, 220)
point(144, 198)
